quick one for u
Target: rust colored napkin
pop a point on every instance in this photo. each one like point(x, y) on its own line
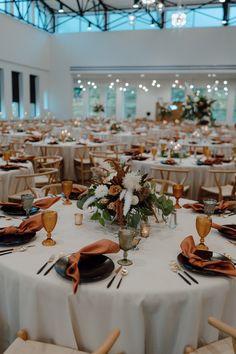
point(227, 229)
point(44, 203)
point(188, 248)
point(32, 224)
point(99, 247)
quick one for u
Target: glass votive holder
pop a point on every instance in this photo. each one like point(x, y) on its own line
point(79, 219)
point(145, 229)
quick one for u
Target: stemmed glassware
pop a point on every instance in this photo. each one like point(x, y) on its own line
point(203, 226)
point(178, 190)
point(27, 202)
point(142, 149)
point(126, 242)
point(209, 206)
point(67, 189)
point(6, 156)
point(154, 152)
point(49, 220)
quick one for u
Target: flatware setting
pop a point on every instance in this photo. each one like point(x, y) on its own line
point(116, 273)
point(176, 268)
point(51, 259)
point(123, 273)
point(54, 263)
point(14, 250)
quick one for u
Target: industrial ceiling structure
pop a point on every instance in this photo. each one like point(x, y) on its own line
point(49, 11)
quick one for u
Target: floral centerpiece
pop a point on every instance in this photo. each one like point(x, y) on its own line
point(116, 128)
point(98, 108)
point(124, 197)
point(198, 107)
point(165, 111)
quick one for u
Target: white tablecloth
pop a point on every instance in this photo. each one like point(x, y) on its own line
point(198, 175)
point(66, 150)
point(9, 184)
point(122, 137)
point(155, 309)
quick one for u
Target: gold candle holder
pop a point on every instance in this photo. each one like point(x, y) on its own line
point(145, 229)
point(79, 219)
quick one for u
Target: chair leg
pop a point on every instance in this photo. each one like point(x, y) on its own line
point(188, 349)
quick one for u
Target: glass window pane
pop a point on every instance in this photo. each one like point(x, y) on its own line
point(78, 102)
point(177, 94)
point(110, 109)
point(208, 17)
point(93, 100)
point(130, 98)
point(219, 108)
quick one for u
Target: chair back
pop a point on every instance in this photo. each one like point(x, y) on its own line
point(166, 174)
point(218, 174)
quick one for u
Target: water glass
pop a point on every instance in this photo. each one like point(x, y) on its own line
point(27, 202)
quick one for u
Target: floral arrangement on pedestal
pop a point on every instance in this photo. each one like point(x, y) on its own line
point(116, 128)
point(98, 108)
point(198, 107)
point(124, 197)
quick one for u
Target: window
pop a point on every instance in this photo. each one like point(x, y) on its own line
point(16, 106)
point(33, 80)
point(78, 102)
point(93, 100)
point(200, 91)
point(130, 97)
point(110, 109)
point(219, 108)
point(177, 94)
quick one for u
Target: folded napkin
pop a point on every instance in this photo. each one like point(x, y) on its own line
point(188, 248)
point(44, 203)
point(99, 247)
point(79, 190)
point(32, 224)
point(227, 229)
point(199, 207)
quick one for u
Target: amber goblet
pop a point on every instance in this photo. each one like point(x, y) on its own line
point(203, 226)
point(178, 190)
point(154, 152)
point(142, 149)
point(67, 189)
point(6, 156)
point(49, 220)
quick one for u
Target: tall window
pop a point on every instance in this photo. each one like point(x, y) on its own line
point(177, 94)
point(93, 100)
point(33, 95)
point(130, 98)
point(78, 102)
point(200, 91)
point(16, 107)
point(219, 108)
point(110, 102)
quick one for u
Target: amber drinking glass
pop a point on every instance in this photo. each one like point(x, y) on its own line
point(178, 190)
point(206, 151)
point(67, 189)
point(49, 220)
point(203, 226)
point(6, 156)
point(154, 152)
point(142, 149)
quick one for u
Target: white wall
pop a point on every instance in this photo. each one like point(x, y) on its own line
point(158, 51)
point(27, 50)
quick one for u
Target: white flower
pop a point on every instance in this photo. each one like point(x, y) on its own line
point(196, 99)
point(101, 191)
point(134, 200)
point(188, 107)
point(131, 181)
point(111, 175)
point(89, 201)
point(127, 203)
point(107, 166)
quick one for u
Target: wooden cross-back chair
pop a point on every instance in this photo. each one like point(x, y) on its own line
point(165, 174)
point(222, 346)
point(221, 191)
point(22, 345)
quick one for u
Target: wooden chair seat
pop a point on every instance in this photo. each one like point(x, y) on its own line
point(225, 190)
point(223, 346)
point(22, 345)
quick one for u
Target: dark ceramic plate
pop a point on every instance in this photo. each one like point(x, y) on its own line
point(227, 234)
point(140, 158)
point(18, 211)
point(16, 239)
point(207, 255)
point(9, 167)
point(92, 268)
point(164, 162)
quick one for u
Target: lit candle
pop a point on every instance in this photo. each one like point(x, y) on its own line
point(145, 229)
point(78, 219)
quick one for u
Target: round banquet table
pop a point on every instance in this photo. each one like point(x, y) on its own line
point(127, 138)
point(198, 175)
point(9, 184)
point(155, 309)
point(67, 150)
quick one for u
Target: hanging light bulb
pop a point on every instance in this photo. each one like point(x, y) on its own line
point(61, 10)
point(132, 19)
point(89, 26)
point(136, 4)
point(160, 6)
point(178, 19)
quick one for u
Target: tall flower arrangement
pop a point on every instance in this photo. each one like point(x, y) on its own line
point(98, 108)
point(198, 107)
point(124, 197)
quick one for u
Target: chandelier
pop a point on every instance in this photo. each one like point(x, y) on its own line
point(178, 19)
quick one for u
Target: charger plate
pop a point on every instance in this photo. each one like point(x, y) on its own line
point(91, 268)
point(207, 255)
